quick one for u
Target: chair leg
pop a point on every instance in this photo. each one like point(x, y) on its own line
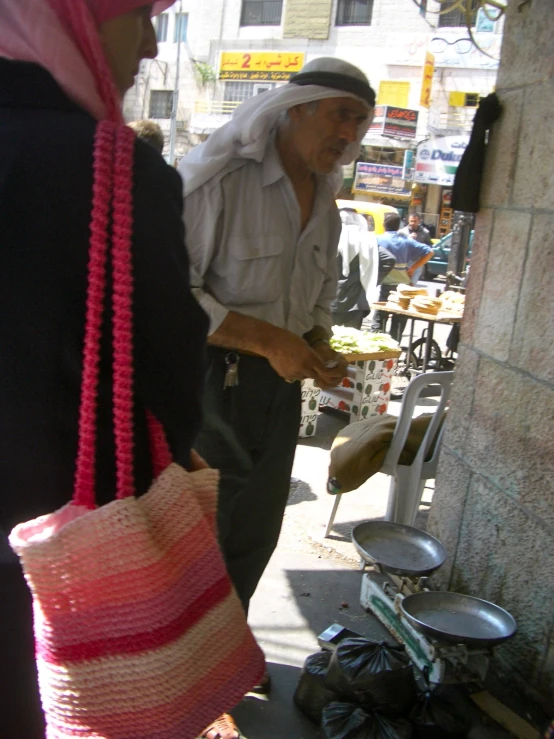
point(333, 514)
point(409, 496)
point(391, 503)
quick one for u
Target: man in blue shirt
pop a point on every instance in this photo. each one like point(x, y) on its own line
point(410, 256)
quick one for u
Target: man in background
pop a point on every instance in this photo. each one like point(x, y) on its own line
point(416, 230)
point(361, 265)
point(410, 255)
point(150, 132)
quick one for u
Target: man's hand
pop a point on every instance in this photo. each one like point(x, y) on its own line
point(292, 358)
point(333, 375)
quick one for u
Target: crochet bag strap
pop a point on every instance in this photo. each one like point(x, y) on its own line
point(113, 183)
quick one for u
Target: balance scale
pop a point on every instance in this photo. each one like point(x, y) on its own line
point(448, 636)
point(441, 663)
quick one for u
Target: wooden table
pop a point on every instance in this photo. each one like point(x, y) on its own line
point(441, 317)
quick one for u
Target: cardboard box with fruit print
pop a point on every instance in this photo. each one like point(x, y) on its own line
point(310, 408)
point(365, 391)
point(372, 388)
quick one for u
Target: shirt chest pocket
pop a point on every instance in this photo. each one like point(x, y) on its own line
point(315, 277)
point(254, 269)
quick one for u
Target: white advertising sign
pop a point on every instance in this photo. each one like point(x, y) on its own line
point(437, 159)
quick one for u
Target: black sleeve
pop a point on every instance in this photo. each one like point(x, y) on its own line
point(170, 326)
point(386, 264)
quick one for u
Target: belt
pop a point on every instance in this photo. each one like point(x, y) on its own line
point(236, 351)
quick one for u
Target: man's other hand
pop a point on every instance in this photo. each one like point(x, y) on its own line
point(333, 374)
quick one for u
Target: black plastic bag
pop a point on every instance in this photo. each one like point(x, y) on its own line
point(374, 674)
point(311, 695)
point(347, 721)
point(434, 718)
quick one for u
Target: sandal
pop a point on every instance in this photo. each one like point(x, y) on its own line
point(223, 727)
point(264, 686)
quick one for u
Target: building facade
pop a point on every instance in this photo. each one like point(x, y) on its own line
point(416, 59)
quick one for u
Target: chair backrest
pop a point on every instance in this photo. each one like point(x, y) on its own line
point(411, 394)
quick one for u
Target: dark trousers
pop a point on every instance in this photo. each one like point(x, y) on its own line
point(20, 710)
point(249, 433)
point(398, 323)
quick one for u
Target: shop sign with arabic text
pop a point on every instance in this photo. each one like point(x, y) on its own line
point(396, 123)
point(259, 65)
point(380, 178)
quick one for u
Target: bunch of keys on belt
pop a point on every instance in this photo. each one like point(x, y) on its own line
point(232, 372)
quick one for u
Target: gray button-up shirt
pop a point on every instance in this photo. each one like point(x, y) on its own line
point(248, 254)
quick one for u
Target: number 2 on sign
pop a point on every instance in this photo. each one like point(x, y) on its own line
point(246, 63)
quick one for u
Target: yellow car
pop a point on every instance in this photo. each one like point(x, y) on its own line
point(374, 212)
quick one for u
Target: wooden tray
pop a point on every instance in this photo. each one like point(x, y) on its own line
point(386, 354)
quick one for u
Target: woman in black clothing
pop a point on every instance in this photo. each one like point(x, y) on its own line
point(56, 82)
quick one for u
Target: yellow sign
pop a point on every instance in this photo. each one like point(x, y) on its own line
point(259, 65)
point(427, 81)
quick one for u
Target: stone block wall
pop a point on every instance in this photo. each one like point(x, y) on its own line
point(494, 500)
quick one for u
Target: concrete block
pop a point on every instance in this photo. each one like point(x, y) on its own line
point(533, 176)
point(527, 54)
point(536, 456)
point(546, 677)
point(533, 340)
point(461, 403)
point(493, 331)
point(479, 257)
point(505, 557)
point(447, 509)
point(502, 151)
point(509, 439)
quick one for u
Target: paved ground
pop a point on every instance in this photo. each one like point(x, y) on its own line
point(313, 582)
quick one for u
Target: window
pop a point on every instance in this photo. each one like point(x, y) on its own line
point(463, 99)
point(456, 18)
point(160, 104)
point(180, 31)
point(238, 92)
point(394, 93)
point(354, 12)
point(161, 28)
point(261, 12)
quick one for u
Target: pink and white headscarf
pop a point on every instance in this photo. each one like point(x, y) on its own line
point(61, 35)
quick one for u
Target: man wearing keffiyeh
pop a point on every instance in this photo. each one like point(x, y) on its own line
point(262, 233)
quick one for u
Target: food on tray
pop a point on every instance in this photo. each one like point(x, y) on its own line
point(403, 295)
point(430, 306)
point(410, 291)
point(452, 302)
point(351, 341)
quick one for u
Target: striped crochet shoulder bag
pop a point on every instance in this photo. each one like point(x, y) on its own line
point(139, 633)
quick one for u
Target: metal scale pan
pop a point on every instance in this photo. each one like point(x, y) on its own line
point(398, 549)
point(457, 618)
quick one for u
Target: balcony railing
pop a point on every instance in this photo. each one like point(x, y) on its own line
point(452, 119)
point(215, 107)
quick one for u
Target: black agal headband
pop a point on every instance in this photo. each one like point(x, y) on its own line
point(336, 81)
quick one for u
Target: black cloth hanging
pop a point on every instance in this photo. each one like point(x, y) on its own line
point(467, 184)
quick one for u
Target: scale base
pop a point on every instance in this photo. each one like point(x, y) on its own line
point(440, 663)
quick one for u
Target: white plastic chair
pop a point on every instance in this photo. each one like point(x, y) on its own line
point(408, 481)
